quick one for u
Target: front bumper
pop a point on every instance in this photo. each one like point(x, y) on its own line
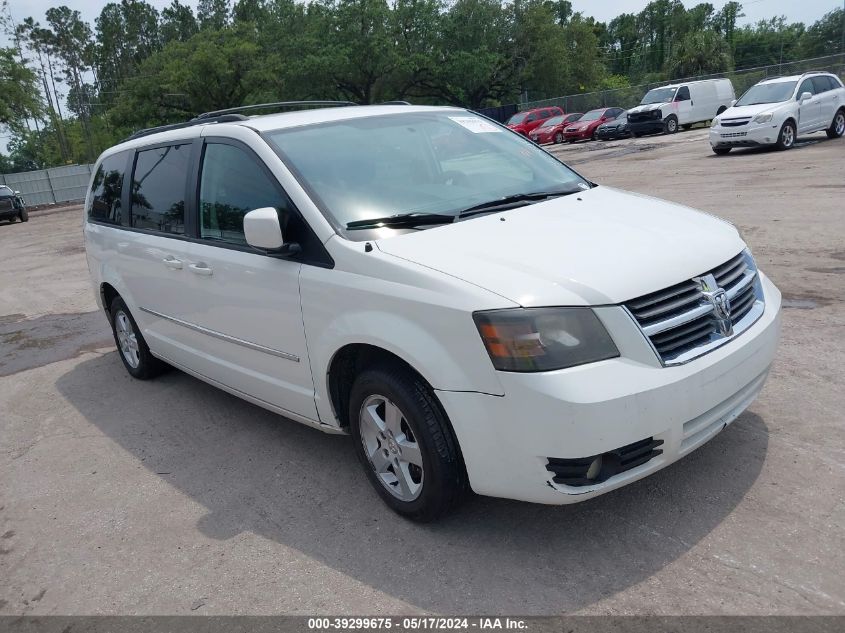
point(749, 135)
point(650, 126)
point(592, 409)
point(611, 134)
point(541, 138)
point(578, 135)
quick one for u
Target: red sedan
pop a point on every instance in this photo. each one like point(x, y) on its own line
point(585, 127)
point(525, 121)
point(552, 130)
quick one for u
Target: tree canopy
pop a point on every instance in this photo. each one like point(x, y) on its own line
point(68, 89)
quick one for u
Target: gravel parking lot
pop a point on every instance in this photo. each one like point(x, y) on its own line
point(171, 497)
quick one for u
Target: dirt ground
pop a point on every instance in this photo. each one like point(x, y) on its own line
point(172, 497)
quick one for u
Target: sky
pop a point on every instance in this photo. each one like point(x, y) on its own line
point(806, 11)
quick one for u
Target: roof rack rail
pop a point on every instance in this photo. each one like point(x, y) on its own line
point(278, 104)
point(394, 102)
point(814, 72)
point(224, 118)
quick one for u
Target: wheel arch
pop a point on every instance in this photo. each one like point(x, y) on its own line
point(348, 362)
point(107, 295)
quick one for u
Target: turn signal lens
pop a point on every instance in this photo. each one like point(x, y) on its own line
point(543, 339)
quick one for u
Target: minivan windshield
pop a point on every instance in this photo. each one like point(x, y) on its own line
point(767, 93)
point(517, 118)
point(659, 95)
point(434, 163)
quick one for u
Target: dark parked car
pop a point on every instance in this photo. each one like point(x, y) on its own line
point(617, 128)
point(12, 206)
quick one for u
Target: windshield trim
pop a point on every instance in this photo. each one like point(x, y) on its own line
point(338, 227)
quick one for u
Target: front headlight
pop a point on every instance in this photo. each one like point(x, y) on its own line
point(543, 339)
point(763, 118)
point(714, 122)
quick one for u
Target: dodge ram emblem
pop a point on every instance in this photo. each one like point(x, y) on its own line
point(718, 298)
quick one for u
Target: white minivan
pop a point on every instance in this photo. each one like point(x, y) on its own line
point(684, 104)
point(475, 314)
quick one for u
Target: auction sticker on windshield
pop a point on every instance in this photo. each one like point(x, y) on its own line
point(474, 124)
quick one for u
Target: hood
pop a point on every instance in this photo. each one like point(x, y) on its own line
point(748, 110)
point(580, 124)
point(596, 247)
point(648, 107)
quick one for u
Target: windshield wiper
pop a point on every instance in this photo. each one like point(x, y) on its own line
point(401, 220)
point(516, 200)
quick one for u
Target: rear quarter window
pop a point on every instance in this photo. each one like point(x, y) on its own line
point(104, 203)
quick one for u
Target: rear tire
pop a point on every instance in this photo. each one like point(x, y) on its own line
point(131, 346)
point(786, 136)
point(721, 151)
point(405, 443)
point(837, 127)
point(558, 138)
point(670, 126)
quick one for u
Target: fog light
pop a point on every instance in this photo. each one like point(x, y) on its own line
point(595, 468)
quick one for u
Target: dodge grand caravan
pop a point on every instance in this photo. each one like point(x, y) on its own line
point(475, 314)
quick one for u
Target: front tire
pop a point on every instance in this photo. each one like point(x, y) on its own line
point(837, 127)
point(558, 138)
point(670, 126)
point(786, 137)
point(131, 346)
point(23, 214)
point(405, 443)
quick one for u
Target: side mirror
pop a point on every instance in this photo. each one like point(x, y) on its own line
point(733, 103)
point(263, 231)
point(806, 96)
point(17, 193)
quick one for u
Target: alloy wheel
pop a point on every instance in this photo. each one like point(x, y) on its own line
point(839, 125)
point(788, 136)
point(127, 340)
point(391, 447)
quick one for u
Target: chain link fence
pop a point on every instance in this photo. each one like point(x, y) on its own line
point(742, 80)
point(50, 186)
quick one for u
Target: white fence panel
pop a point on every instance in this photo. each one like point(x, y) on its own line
point(48, 186)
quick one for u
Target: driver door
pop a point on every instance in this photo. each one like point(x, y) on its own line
point(243, 323)
point(809, 112)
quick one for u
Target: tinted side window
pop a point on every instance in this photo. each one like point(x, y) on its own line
point(806, 86)
point(232, 184)
point(158, 188)
point(106, 189)
point(683, 94)
point(821, 84)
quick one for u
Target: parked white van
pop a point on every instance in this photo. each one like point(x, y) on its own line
point(683, 104)
point(474, 313)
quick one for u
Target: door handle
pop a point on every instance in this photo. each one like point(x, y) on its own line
point(200, 268)
point(172, 262)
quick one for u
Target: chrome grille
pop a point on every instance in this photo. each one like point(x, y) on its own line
point(735, 122)
point(681, 323)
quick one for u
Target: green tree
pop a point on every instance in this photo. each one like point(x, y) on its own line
point(700, 53)
point(126, 35)
point(213, 14)
point(825, 36)
point(177, 23)
point(19, 97)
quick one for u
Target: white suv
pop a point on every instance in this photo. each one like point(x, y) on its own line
point(776, 111)
point(474, 313)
